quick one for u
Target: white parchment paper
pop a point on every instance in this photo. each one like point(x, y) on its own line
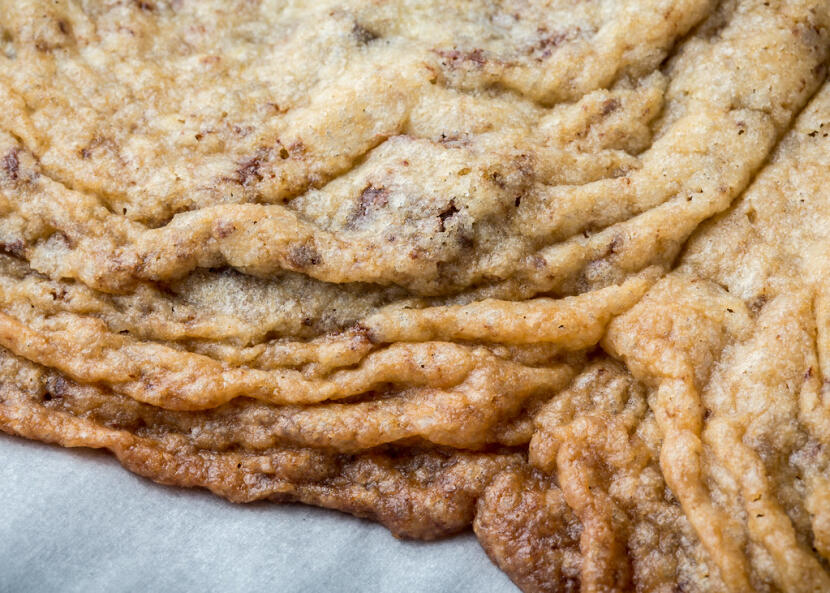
point(73, 520)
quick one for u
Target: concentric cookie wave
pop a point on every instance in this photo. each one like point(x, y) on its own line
point(430, 263)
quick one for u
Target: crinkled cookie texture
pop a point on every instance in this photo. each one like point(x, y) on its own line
point(557, 270)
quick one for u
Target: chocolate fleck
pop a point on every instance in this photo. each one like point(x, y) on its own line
point(363, 35)
point(303, 256)
point(249, 170)
point(16, 248)
point(11, 164)
point(448, 213)
point(609, 106)
point(224, 229)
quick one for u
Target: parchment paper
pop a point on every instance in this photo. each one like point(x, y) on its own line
point(73, 520)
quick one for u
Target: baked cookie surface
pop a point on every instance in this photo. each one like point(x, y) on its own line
point(554, 270)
